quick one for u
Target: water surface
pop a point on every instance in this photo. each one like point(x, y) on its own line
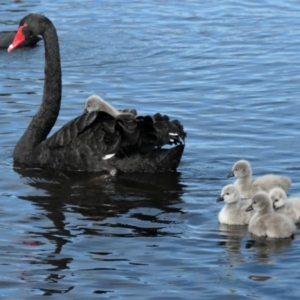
point(229, 71)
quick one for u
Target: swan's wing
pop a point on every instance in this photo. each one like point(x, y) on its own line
point(131, 111)
point(71, 130)
point(101, 133)
point(98, 131)
point(158, 129)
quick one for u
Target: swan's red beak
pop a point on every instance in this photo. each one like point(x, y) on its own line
point(19, 38)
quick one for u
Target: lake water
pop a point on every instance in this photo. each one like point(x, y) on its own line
point(230, 72)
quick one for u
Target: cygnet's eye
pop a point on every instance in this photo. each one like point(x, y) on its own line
point(254, 203)
point(276, 200)
point(227, 194)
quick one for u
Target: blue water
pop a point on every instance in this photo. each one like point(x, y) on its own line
point(230, 72)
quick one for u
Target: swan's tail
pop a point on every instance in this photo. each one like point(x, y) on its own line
point(167, 159)
point(157, 160)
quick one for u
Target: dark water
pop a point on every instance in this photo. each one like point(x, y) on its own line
point(229, 70)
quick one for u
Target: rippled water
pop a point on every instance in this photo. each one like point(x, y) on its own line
point(229, 70)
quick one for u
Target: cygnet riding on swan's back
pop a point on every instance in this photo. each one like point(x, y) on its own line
point(94, 141)
point(234, 210)
point(249, 186)
point(283, 205)
point(266, 222)
point(96, 103)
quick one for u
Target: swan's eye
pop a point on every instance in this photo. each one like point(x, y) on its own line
point(27, 32)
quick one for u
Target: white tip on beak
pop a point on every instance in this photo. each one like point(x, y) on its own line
point(10, 47)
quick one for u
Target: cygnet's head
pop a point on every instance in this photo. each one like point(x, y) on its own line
point(95, 103)
point(260, 201)
point(240, 169)
point(230, 194)
point(278, 197)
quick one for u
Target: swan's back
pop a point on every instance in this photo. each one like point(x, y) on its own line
point(295, 201)
point(269, 181)
point(136, 144)
point(279, 226)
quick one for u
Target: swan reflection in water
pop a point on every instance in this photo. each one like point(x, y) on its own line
point(146, 197)
point(79, 214)
point(238, 243)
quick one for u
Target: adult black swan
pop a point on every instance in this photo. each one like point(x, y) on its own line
point(94, 141)
point(6, 38)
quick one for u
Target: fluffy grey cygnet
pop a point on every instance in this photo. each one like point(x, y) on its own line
point(266, 222)
point(284, 205)
point(234, 211)
point(96, 103)
point(249, 186)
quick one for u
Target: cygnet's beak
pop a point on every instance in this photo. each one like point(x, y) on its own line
point(85, 111)
point(249, 208)
point(220, 198)
point(231, 174)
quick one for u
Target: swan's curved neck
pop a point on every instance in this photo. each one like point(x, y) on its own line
point(45, 118)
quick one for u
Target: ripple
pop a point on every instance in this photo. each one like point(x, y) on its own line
point(230, 73)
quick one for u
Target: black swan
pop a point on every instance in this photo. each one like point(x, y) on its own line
point(6, 38)
point(96, 103)
point(94, 141)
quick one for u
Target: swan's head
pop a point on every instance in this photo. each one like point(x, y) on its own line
point(29, 26)
point(230, 194)
point(95, 103)
point(240, 169)
point(278, 197)
point(260, 201)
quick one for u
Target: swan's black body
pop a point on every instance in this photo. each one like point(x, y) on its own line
point(83, 143)
point(6, 38)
